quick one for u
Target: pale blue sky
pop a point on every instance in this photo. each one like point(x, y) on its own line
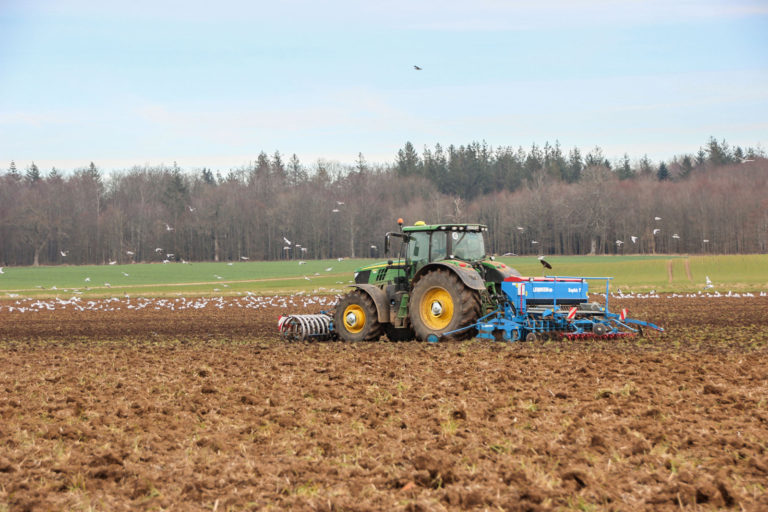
point(214, 83)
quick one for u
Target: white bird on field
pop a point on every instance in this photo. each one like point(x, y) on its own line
point(87, 279)
point(216, 276)
point(113, 262)
point(339, 259)
point(329, 269)
point(166, 261)
point(302, 263)
point(634, 239)
point(305, 277)
point(1, 270)
point(709, 283)
point(125, 274)
point(108, 285)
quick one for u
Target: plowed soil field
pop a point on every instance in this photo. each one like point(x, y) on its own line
point(197, 405)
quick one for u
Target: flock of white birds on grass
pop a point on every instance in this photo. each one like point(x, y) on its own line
point(293, 302)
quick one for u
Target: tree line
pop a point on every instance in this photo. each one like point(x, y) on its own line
point(540, 201)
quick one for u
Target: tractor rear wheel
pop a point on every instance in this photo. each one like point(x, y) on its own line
point(356, 319)
point(441, 303)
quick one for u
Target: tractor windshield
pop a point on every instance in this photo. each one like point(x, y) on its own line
point(468, 245)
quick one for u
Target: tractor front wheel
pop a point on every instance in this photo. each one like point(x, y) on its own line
point(441, 303)
point(356, 319)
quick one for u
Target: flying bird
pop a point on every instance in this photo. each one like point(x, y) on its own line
point(340, 203)
point(159, 249)
point(534, 242)
point(244, 258)
point(705, 241)
point(168, 228)
point(656, 231)
point(709, 284)
point(634, 239)
point(335, 210)
point(544, 262)
point(113, 262)
point(417, 68)
point(676, 236)
point(619, 243)
point(64, 254)
point(657, 218)
point(287, 242)
point(130, 253)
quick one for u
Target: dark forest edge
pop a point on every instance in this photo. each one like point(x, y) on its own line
point(540, 201)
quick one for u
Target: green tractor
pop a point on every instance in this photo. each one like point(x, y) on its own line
point(442, 280)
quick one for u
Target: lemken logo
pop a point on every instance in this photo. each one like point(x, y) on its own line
point(542, 289)
point(574, 290)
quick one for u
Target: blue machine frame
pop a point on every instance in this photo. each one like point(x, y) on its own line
point(535, 308)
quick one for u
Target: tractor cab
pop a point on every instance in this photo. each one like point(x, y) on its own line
point(422, 244)
point(428, 244)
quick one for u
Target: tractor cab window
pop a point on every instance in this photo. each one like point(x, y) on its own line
point(418, 247)
point(468, 245)
point(439, 245)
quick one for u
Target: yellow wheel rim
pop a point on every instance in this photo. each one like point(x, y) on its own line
point(436, 309)
point(354, 318)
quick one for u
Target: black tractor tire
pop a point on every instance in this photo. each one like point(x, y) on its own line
point(399, 334)
point(356, 318)
point(441, 303)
